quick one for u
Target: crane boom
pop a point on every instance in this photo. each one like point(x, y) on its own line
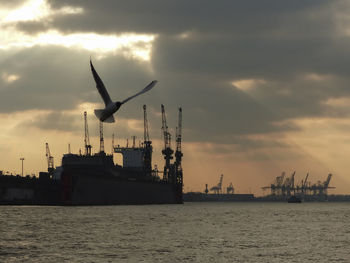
point(50, 162)
point(166, 134)
point(305, 182)
point(326, 183)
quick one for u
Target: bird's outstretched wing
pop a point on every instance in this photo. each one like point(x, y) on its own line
point(100, 86)
point(148, 87)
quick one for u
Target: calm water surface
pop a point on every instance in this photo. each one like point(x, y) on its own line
point(193, 232)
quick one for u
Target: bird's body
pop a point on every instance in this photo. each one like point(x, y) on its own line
point(106, 114)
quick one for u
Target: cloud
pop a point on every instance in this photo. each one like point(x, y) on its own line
point(59, 78)
point(180, 16)
point(57, 121)
point(196, 55)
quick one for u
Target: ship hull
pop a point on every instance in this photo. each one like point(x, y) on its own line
point(90, 190)
point(86, 190)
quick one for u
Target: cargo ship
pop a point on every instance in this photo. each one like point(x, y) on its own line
point(94, 179)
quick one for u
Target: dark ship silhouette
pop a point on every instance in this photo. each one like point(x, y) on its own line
point(94, 179)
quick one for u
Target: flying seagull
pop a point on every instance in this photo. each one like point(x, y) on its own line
point(106, 114)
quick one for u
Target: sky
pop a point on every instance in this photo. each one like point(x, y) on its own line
point(264, 85)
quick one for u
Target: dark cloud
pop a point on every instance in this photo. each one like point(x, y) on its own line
point(33, 27)
point(200, 49)
point(169, 17)
point(225, 57)
point(57, 121)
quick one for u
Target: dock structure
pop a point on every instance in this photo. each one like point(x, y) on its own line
point(284, 187)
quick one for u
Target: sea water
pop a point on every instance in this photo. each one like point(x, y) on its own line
point(193, 232)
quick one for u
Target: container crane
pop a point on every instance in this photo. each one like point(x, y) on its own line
point(325, 185)
point(218, 188)
point(304, 184)
point(288, 185)
point(230, 189)
point(50, 162)
point(87, 139)
point(276, 187)
point(147, 144)
point(167, 151)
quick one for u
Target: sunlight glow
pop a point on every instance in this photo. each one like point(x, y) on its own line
point(31, 10)
point(247, 84)
point(317, 77)
point(9, 77)
point(130, 45)
point(137, 46)
point(35, 10)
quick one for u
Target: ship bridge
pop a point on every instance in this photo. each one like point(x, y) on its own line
point(132, 156)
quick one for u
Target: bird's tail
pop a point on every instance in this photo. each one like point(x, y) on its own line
point(99, 114)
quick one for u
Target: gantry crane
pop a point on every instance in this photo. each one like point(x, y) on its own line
point(304, 184)
point(50, 163)
point(325, 185)
point(276, 187)
point(167, 151)
point(230, 189)
point(289, 184)
point(87, 139)
point(218, 188)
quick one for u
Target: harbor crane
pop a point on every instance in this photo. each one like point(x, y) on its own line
point(50, 162)
point(147, 144)
point(178, 152)
point(167, 151)
point(288, 186)
point(284, 187)
point(321, 188)
point(87, 139)
point(218, 188)
point(230, 189)
point(304, 184)
point(276, 187)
